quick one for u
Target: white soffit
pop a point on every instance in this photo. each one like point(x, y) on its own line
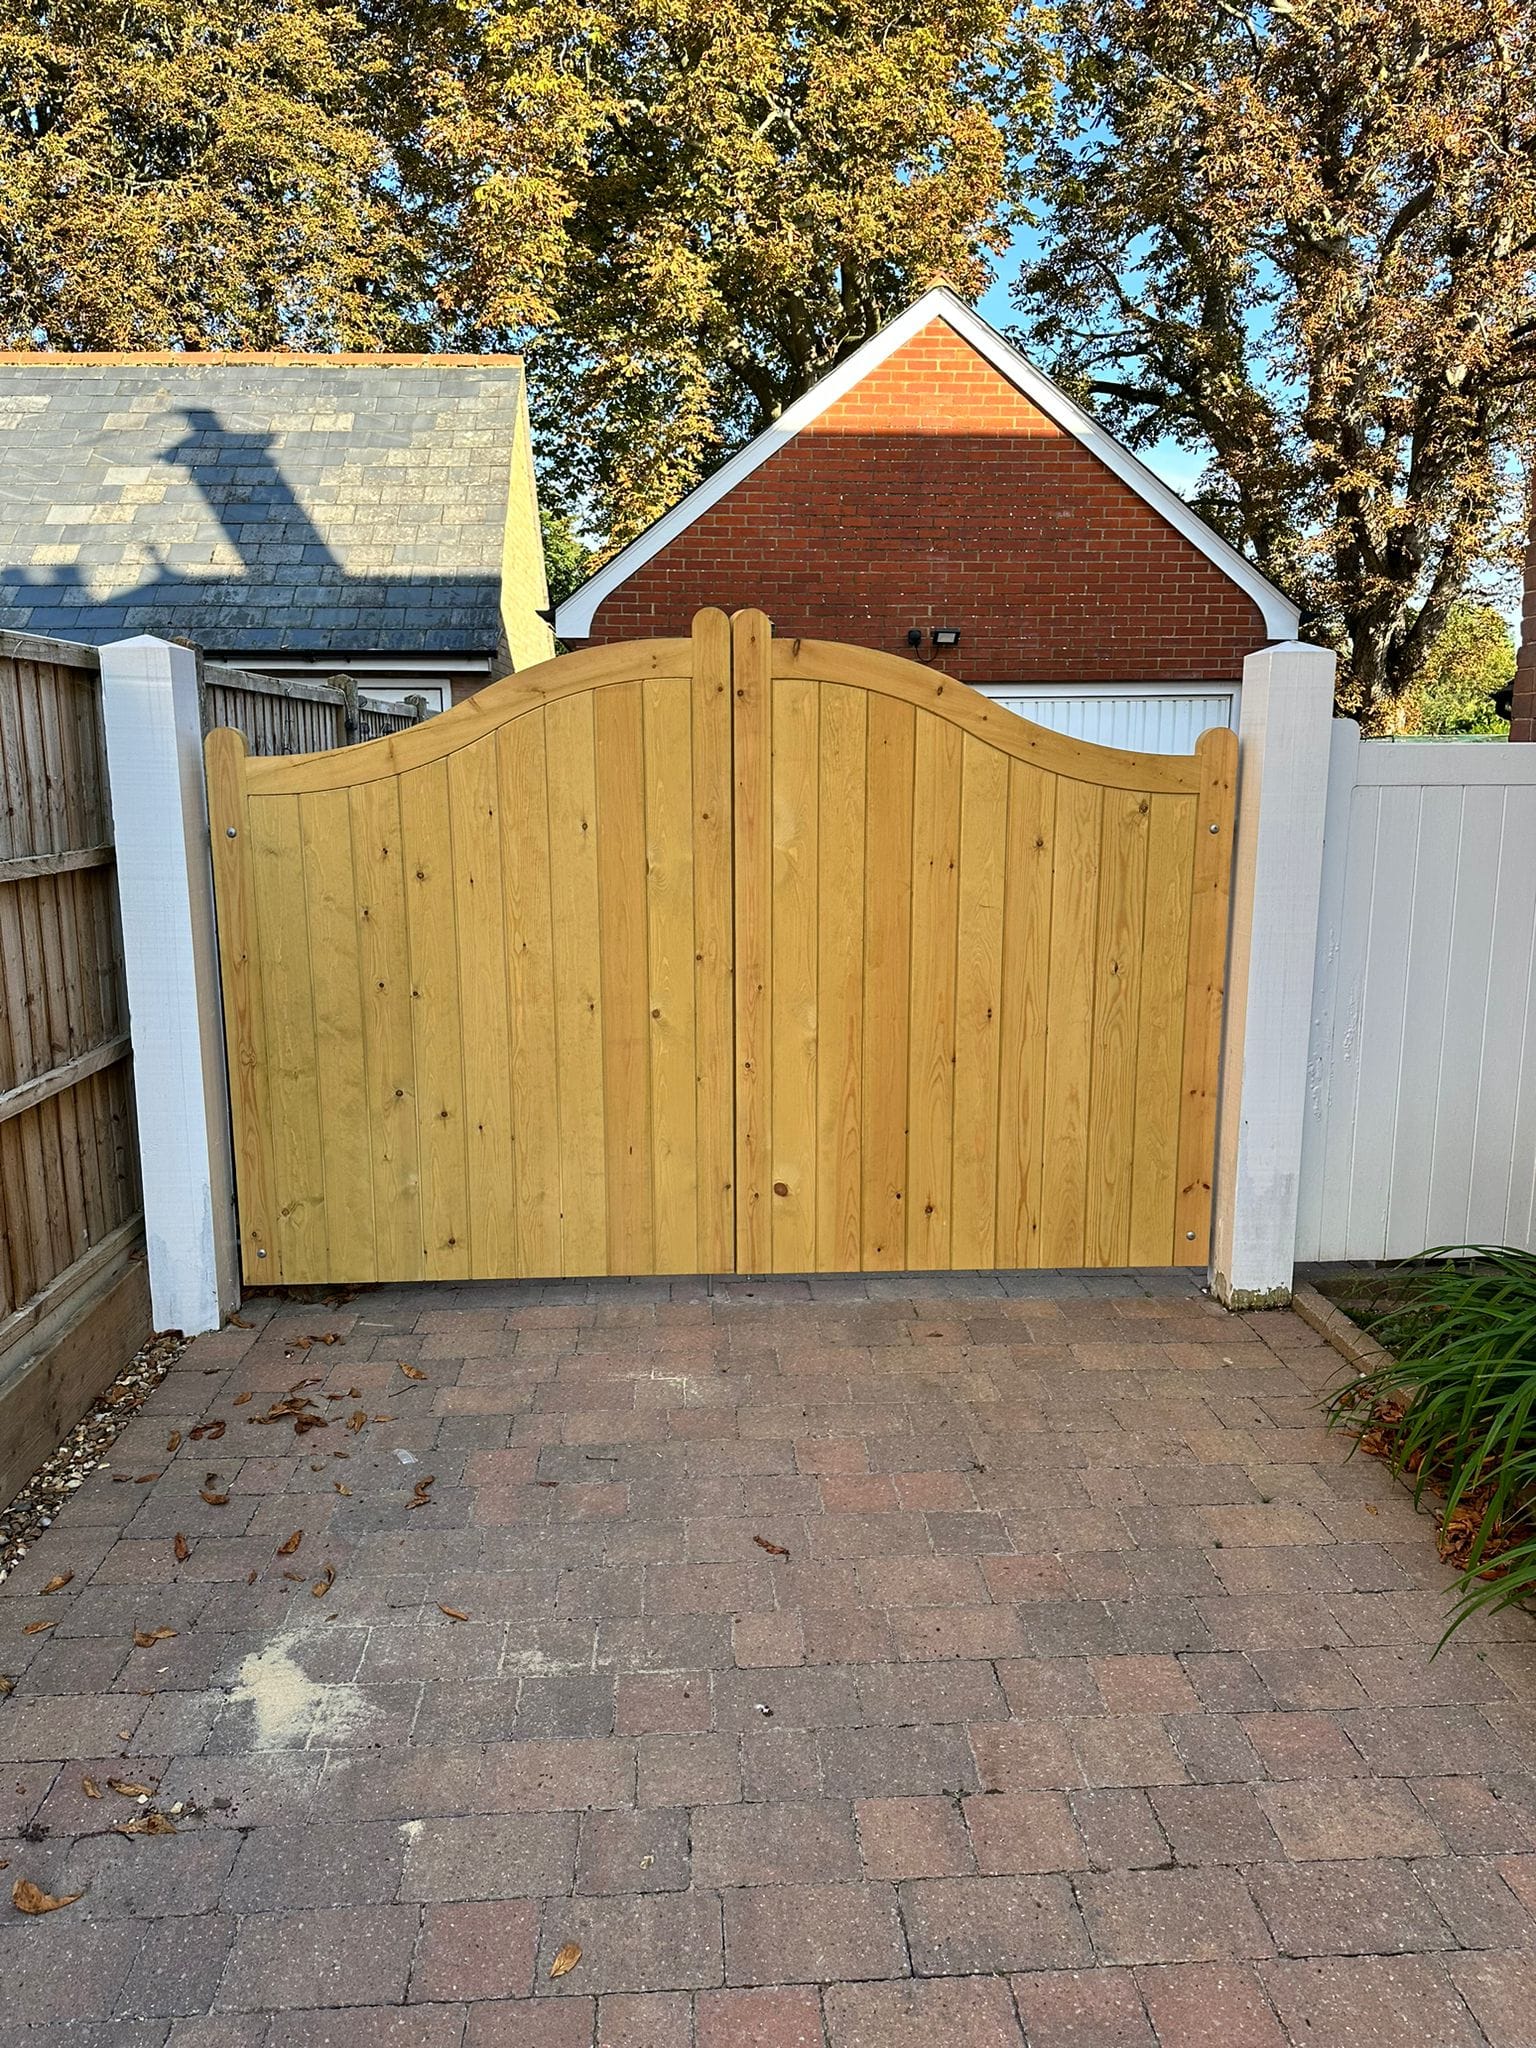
point(573, 619)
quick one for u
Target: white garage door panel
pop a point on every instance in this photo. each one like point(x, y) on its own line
point(1144, 721)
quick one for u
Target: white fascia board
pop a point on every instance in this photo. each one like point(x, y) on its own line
point(573, 619)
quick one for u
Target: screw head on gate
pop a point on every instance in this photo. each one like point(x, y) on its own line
point(229, 831)
point(1215, 828)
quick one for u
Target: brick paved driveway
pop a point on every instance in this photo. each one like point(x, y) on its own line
point(925, 1664)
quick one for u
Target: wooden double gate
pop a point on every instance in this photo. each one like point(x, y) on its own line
point(721, 954)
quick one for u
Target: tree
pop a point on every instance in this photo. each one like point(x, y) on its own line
point(1301, 237)
point(689, 210)
point(567, 558)
point(1471, 661)
point(175, 175)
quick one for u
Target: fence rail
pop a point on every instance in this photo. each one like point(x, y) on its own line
point(286, 715)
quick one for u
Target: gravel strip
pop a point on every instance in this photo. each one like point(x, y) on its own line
point(33, 1509)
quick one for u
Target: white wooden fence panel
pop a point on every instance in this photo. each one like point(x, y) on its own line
point(1421, 1109)
point(1142, 720)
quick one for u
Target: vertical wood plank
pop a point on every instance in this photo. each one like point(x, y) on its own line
point(533, 1062)
point(573, 829)
point(1160, 1031)
point(474, 798)
point(753, 843)
point(427, 834)
point(795, 751)
point(622, 925)
point(887, 982)
point(1069, 1023)
point(1026, 982)
point(670, 812)
point(1116, 1008)
point(714, 941)
point(840, 978)
point(979, 1001)
point(389, 1062)
point(298, 1177)
point(244, 1009)
point(1210, 909)
point(931, 1051)
point(330, 897)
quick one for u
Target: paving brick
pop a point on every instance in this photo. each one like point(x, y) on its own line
point(913, 1838)
point(1143, 1685)
point(481, 1950)
point(645, 2019)
point(812, 1934)
point(434, 2026)
point(492, 1856)
point(939, 2012)
point(663, 1703)
point(282, 1868)
point(667, 1941)
point(1022, 1833)
point(1348, 1818)
point(344, 1955)
point(967, 1924)
point(1099, 2008)
point(1474, 1817)
point(783, 2017)
point(1342, 1909)
point(1475, 1902)
point(777, 1843)
point(1120, 1831)
point(531, 2023)
point(1209, 2005)
point(1370, 2002)
point(1501, 1991)
point(1303, 1745)
point(178, 1966)
point(1214, 1824)
point(872, 1763)
point(1125, 1749)
point(643, 1851)
point(1171, 1916)
point(1021, 1755)
point(768, 1639)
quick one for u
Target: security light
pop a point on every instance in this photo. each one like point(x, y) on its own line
point(946, 636)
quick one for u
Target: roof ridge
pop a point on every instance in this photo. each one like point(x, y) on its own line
point(209, 358)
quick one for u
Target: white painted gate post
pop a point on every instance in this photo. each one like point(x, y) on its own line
point(1282, 797)
point(165, 887)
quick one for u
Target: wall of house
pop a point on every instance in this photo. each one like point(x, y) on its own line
point(1522, 724)
point(1421, 1109)
point(935, 494)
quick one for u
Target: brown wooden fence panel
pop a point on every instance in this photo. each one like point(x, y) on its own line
point(69, 1187)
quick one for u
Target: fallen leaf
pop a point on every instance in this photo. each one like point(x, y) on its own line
point(209, 1432)
point(354, 1393)
point(146, 1824)
point(413, 1372)
point(773, 1549)
point(241, 1399)
point(422, 1494)
point(250, 1577)
point(566, 1959)
point(173, 1441)
point(1371, 1508)
point(127, 1788)
point(287, 1549)
point(59, 1579)
point(356, 1419)
point(146, 1638)
point(296, 1578)
point(35, 1628)
point(27, 1897)
point(91, 1788)
point(383, 1418)
point(7, 1686)
point(342, 1489)
point(324, 1583)
point(457, 1614)
point(214, 1500)
point(146, 1479)
point(239, 1323)
point(331, 1337)
point(182, 1548)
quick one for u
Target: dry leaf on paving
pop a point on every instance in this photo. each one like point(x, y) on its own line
point(27, 1897)
point(128, 1788)
point(35, 1628)
point(356, 1419)
point(453, 1613)
point(182, 1548)
point(173, 1442)
point(773, 1549)
point(7, 1685)
point(287, 1549)
point(324, 1583)
point(342, 1489)
point(146, 1638)
point(91, 1788)
point(566, 1959)
point(241, 1399)
point(59, 1579)
point(209, 1432)
point(146, 1824)
point(413, 1372)
point(214, 1500)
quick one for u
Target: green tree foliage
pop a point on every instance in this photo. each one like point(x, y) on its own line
point(697, 208)
point(1473, 658)
point(567, 558)
point(1301, 237)
point(177, 175)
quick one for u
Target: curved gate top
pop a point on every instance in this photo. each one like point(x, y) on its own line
point(717, 954)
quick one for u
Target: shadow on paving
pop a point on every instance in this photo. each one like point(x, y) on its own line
point(935, 1662)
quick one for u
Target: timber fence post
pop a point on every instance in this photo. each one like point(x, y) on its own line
point(1282, 796)
point(153, 721)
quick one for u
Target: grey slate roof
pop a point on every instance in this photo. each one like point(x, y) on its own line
point(281, 504)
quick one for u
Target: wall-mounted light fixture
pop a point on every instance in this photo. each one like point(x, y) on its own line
point(946, 636)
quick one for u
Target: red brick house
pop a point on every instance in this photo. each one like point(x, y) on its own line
point(937, 483)
point(1522, 716)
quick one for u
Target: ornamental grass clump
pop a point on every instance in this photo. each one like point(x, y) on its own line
point(1454, 1411)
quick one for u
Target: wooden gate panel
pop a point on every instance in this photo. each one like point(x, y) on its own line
point(1032, 973)
point(477, 982)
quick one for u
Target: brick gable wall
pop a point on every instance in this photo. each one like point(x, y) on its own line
point(1522, 724)
point(935, 494)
